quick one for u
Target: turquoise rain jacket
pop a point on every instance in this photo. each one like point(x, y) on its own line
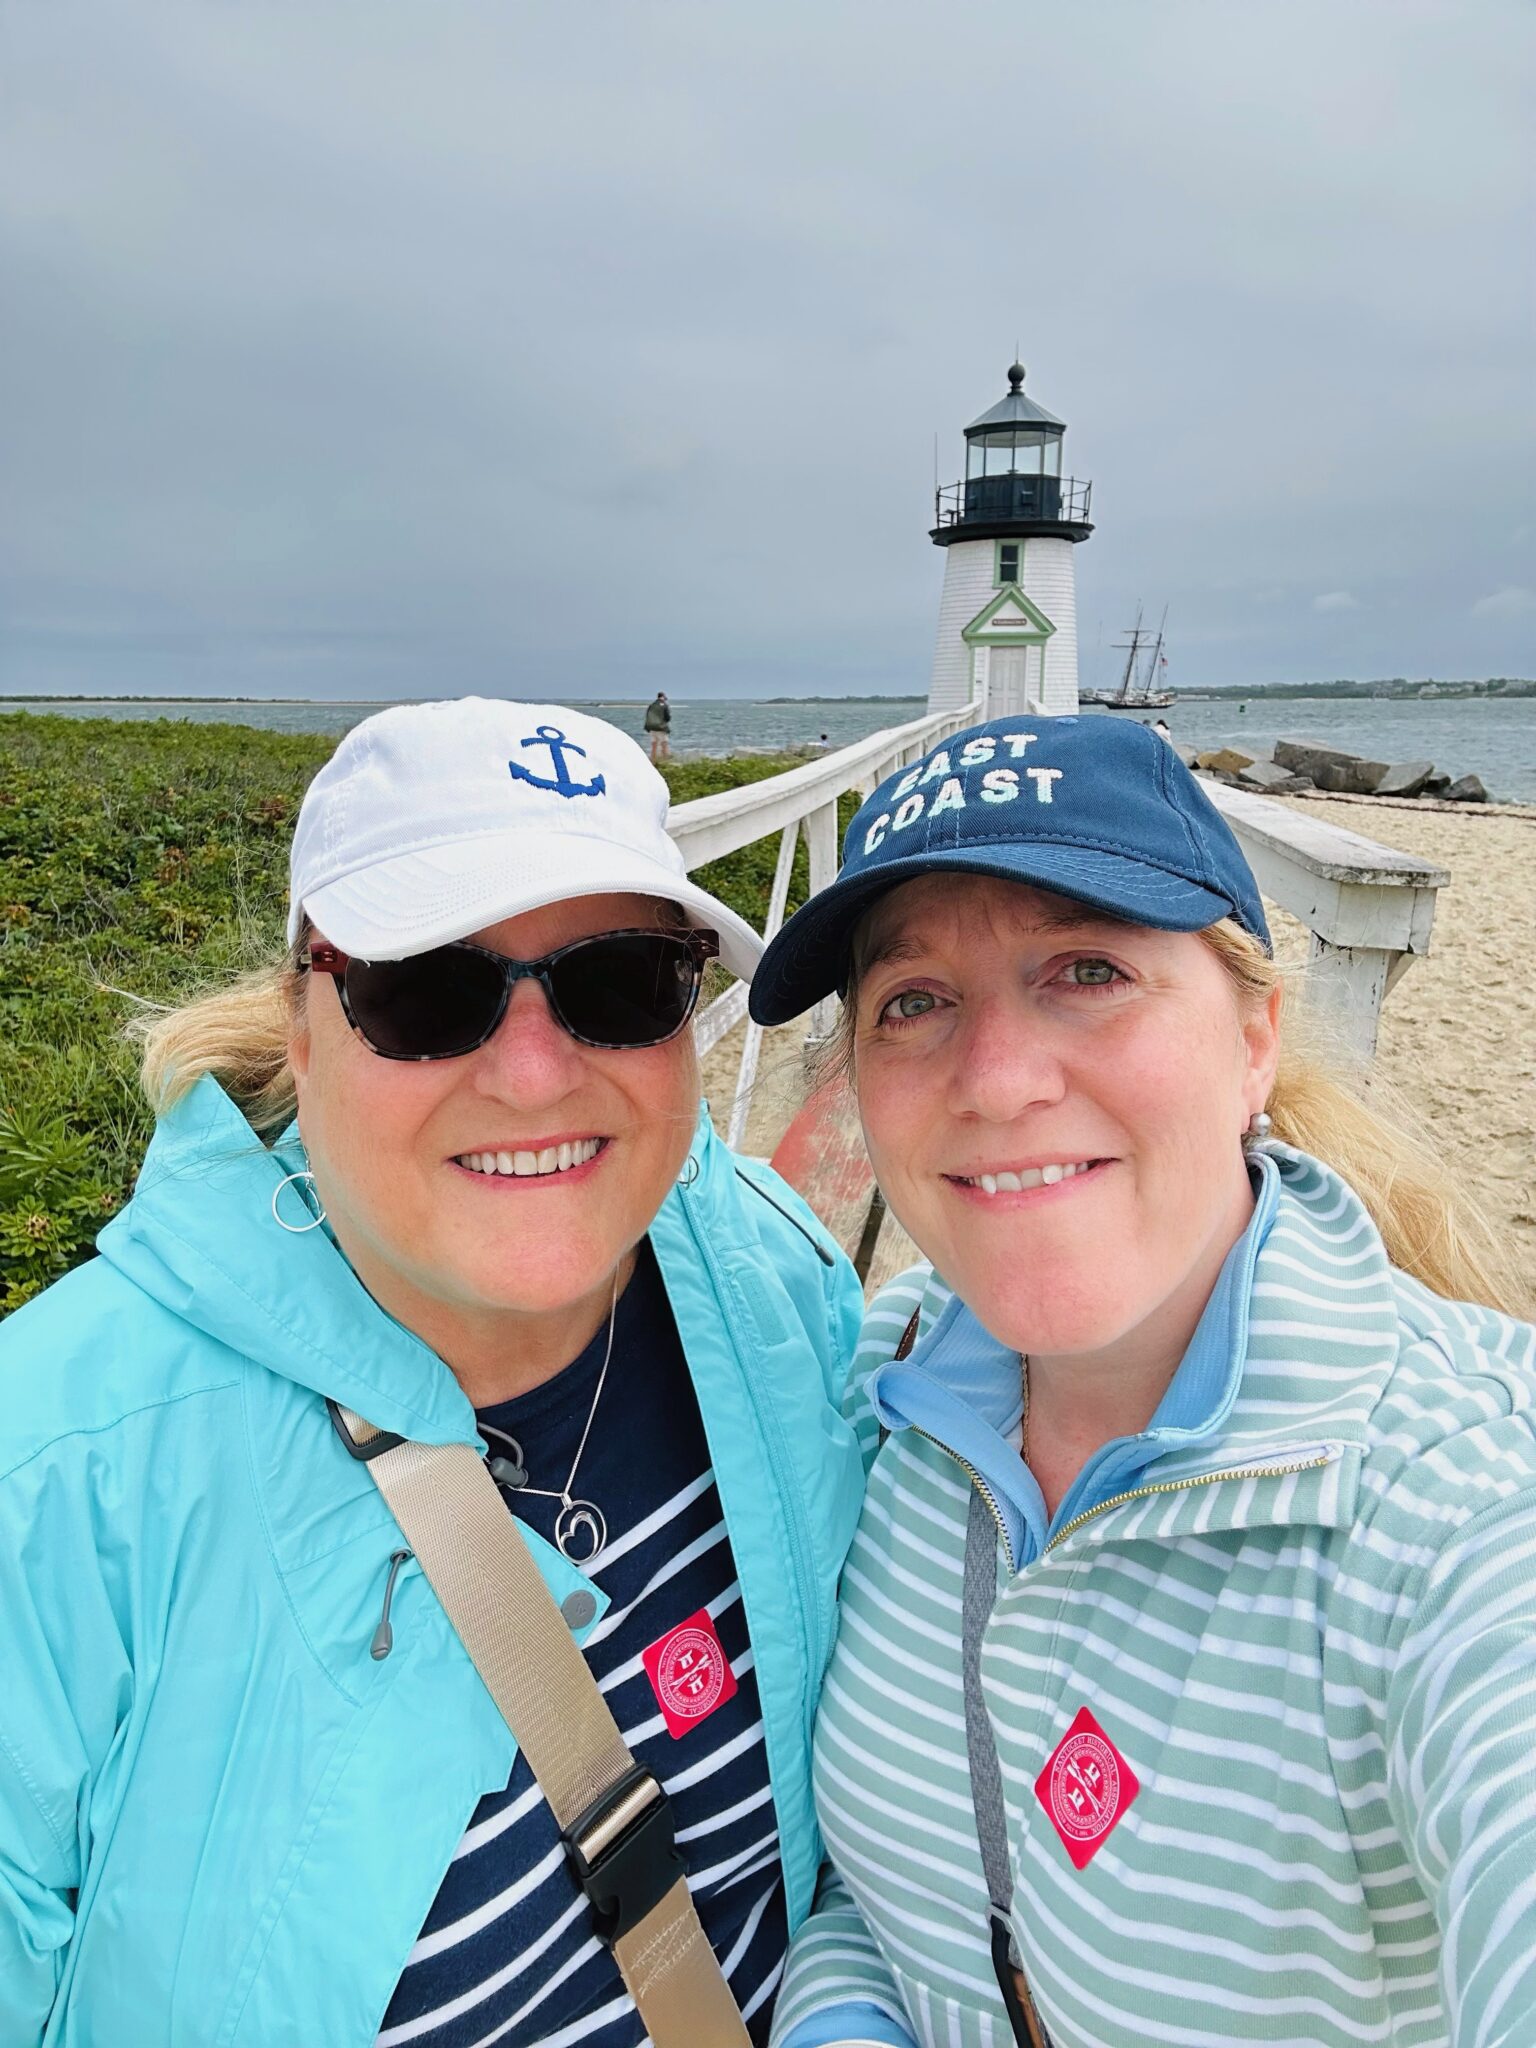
point(221, 1822)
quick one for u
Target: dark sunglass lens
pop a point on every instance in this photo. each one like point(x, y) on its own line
point(431, 1007)
point(625, 990)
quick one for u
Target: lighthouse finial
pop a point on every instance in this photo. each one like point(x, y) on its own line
point(1015, 375)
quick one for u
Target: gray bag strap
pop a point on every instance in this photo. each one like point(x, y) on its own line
point(977, 1601)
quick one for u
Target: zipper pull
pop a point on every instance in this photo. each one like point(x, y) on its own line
point(384, 1635)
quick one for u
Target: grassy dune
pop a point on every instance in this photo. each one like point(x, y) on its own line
point(139, 864)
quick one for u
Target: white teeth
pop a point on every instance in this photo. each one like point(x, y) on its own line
point(1029, 1177)
point(534, 1165)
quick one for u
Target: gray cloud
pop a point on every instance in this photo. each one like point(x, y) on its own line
point(353, 350)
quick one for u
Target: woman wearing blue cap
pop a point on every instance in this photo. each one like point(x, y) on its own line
point(1185, 1684)
point(419, 1527)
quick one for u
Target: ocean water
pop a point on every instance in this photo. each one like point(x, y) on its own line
point(1491, 737)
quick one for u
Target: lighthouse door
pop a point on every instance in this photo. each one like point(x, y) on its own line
point(1006, 678)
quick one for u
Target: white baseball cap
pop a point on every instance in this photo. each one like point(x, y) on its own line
point(431, 821)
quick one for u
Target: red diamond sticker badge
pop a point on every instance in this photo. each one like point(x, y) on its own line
point(1085, 1788)
point(690, 1673)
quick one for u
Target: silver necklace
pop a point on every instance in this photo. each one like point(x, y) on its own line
point(581, 1533)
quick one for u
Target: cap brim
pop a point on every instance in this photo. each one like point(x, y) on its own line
point(808, 958)
point(401, 907)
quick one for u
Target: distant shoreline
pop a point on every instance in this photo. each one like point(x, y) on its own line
point(1397, 689)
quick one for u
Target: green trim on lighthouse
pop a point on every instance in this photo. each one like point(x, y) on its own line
point(984, 627)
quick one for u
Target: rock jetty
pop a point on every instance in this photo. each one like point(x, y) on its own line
point(1296, 767)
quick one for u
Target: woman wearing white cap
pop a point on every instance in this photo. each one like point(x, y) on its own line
point(1185, 1682)
point(262, 1641)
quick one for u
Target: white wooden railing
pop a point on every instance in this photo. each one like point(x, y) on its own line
point(801, 799)
point(1369, 908)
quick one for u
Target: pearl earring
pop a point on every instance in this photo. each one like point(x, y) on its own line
point(1259, 1127)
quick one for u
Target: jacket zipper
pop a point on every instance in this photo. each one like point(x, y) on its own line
point(1180, 1485)
point(785, 1477)
point(982, 1488)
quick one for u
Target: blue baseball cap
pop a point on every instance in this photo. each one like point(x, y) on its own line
point(1098, 809)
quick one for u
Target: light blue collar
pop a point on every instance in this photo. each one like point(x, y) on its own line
point(964, 1389)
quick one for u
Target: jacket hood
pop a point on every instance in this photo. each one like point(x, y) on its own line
point(199, 1236)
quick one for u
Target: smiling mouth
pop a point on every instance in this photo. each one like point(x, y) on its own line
point(1024, 1178)
point(544, 1164)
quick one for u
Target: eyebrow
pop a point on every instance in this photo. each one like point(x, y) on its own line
point(898, 947)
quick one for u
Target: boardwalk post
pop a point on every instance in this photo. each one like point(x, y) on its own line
point(821, 840)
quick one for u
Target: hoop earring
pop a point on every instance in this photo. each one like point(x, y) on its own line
point(690, 1172)
point(1259, 1127)
point(295, 1229)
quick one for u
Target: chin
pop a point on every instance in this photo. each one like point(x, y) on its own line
point(1031, 1320)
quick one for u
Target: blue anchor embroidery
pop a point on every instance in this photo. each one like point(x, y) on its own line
point(559, 746)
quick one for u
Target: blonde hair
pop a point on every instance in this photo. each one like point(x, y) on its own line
point(239, 1035)
point(1430, 1225)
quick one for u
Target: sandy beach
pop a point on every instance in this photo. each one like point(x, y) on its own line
point(1458, 1032)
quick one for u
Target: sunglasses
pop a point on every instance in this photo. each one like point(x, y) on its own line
point(617, 990)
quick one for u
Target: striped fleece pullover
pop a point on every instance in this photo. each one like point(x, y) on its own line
point(1302, 1806)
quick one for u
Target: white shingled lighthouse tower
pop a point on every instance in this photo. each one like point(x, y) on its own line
point(1008, 616)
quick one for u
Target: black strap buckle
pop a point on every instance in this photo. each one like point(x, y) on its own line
point(375, 1447)
point(623, 1853)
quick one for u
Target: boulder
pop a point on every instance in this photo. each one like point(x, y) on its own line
point(1469, 790)
point(1353, 776)
point(1224, 760)
point(1405, 778)
point(1306, 757)
point(1437, 785)
point(1188, 755)
point(1272, 780)
point(1330, 767)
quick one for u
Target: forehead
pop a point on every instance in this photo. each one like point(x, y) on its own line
point(955, 909)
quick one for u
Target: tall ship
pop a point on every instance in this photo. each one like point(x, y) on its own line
point(1142, 686)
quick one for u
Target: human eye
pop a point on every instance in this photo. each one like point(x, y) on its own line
point(906, 1007)
point(1093, 971)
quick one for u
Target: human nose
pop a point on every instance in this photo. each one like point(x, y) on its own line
point(528, 1057)
point(1004, 1063)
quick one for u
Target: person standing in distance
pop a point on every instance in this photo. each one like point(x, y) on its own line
point(658, 723)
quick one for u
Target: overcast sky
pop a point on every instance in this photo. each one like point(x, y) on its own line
point(369, 350)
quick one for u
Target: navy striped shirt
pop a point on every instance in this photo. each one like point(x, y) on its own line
point(507, 1954)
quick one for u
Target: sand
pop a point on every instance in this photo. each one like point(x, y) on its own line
point(1458, 1032)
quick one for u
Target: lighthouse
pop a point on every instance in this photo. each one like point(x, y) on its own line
point(1008, 616)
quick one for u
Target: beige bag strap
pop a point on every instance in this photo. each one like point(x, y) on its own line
point(612, 1813)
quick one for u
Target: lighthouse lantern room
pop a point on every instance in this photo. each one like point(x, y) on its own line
point(1008, 616)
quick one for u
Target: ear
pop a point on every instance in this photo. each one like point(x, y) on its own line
point(300, 1046)
point(1261, 1044)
